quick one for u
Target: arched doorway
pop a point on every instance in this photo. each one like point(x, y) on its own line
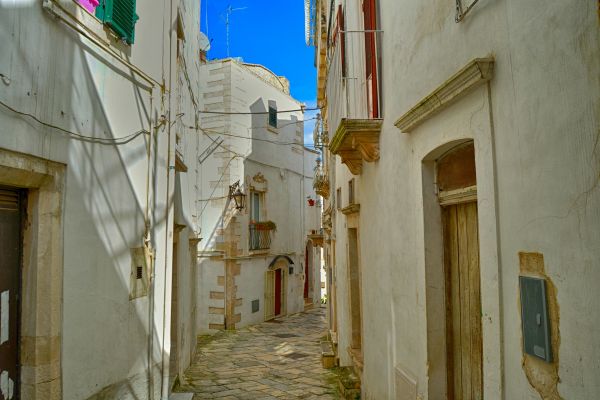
point(276, 289)
point(453, 272)
point(307, 274)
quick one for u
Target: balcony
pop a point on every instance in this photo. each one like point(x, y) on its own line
point(354, 98)
point(321, 181)
point(316, 237)
point(260, 235)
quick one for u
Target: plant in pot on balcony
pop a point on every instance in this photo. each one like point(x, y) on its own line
point(265, 225)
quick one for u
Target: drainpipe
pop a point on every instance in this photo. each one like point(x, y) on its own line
point(168, 225)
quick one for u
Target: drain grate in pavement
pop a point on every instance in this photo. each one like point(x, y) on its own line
point(295, 355)
point(285, 335)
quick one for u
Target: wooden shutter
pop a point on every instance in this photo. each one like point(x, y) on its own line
point(273, 117)
point(269, 295)
point(370, 23)
point(340, 29)
point(120, 16)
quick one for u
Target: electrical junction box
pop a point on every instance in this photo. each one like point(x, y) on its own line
point(534, 318)
point(255, 305)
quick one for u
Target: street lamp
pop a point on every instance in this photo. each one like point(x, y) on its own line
point(238, 197)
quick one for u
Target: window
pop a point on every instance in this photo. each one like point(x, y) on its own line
point(120, 16)
point(338, 198)
point(272, 116)
point(255, 206)
point(351, 191)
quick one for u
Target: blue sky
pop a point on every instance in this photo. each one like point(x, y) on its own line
point(267, 32)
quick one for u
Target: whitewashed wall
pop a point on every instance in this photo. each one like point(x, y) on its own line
point(535, 132)
point(249, 148)
point(110, 345)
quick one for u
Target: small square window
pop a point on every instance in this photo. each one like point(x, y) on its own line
point(272, 117)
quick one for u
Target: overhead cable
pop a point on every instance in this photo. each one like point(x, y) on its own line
point(258, 112)
point(79, 136)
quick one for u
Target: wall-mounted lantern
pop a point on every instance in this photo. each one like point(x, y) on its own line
point(236, 194)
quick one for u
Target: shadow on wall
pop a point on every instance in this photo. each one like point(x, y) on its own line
point(107, 338)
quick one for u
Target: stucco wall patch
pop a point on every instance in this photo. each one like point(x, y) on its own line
point(543, 376)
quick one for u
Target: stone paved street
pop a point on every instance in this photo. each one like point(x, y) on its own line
point(273, 360)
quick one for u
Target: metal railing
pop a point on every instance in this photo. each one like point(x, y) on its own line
point(353, 81)
point(260, 237)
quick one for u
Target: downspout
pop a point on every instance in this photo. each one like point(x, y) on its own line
point(168, 229)
point(148, 244)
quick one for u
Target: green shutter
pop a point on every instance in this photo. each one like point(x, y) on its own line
point(120, 16)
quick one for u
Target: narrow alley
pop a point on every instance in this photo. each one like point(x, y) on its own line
point(280, 359)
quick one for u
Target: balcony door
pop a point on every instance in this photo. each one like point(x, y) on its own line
point(371, 56)
point(255, 214)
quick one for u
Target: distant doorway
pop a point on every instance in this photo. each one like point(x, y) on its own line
point(278, 291)
point(11, 217)
point(355, 302)
point(275, 291)
point(307, 267)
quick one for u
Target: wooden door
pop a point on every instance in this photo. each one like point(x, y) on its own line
point(354, 275)
point(269, 295)
point(278, 291)
point(10, 287)
point(463, 302)
point(306, 273)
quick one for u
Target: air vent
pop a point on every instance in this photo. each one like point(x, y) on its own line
point(139, 272)
point(9, 200)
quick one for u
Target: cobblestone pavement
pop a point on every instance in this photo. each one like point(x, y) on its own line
point(273, 360)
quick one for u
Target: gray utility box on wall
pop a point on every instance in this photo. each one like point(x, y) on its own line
point(534, 318)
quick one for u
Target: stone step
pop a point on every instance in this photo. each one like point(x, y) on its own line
point(327, 355)
point(181, 396)
point(348, 384)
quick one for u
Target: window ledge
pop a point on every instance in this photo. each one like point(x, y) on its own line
point(351, 209)
point(475, 73)
point(258, 252)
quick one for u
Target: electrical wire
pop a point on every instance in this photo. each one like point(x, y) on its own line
point(259, 112)
point(208, 132)
point(79, 136)
point(217, 184)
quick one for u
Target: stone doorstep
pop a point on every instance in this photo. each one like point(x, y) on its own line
point(327, 355)
point(181, 396)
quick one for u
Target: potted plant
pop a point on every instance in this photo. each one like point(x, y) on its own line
point(265, 226)
point(311, 201)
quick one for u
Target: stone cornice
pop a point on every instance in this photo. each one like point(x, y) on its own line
point(355, 141)
point(475, 73)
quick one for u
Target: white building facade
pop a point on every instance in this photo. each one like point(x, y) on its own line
point(256, 263)
point(94, 103)
point(461, 171)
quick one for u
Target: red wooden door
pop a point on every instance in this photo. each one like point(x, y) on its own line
point(370, 24)
point(10, 287)
point(278, 291)
point(306, 274)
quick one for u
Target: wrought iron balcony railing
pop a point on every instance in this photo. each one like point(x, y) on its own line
point(354, 97)
point(260, 235)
